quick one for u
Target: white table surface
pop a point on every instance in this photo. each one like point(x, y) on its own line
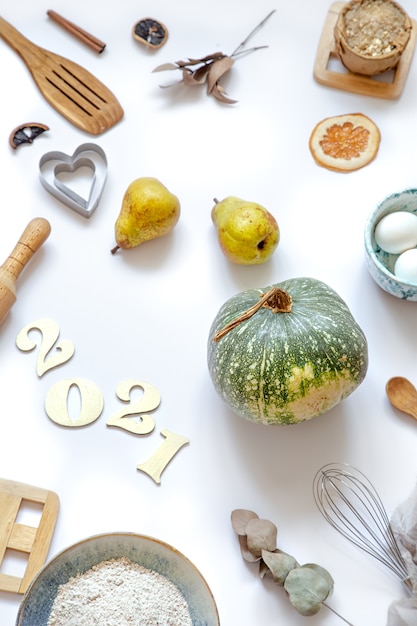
point(145, 314)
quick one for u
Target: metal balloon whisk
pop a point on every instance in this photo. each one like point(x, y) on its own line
point(351, 504)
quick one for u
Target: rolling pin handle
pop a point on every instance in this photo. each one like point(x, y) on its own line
point(32, 238)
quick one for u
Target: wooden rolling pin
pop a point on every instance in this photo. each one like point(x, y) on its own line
point(34, 235)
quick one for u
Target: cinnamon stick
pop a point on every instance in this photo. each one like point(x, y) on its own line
point(81, 34)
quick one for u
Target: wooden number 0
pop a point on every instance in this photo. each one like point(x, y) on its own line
point(56, 402)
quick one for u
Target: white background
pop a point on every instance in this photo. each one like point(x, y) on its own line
point(145, 313)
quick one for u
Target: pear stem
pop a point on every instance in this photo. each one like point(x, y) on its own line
point(276, 299)
point(115, 249)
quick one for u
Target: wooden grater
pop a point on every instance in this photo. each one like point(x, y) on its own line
point(28, 540)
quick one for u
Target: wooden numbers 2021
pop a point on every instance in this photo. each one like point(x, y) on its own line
point(135, 418)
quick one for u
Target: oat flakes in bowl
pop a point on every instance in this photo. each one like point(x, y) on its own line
point(371, 35)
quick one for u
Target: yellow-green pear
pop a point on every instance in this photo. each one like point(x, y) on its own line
point(248, 233)
point(149, 210)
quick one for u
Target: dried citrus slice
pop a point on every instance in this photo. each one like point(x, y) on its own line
point(345, 143)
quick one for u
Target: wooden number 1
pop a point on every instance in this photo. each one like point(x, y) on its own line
point(165, 453)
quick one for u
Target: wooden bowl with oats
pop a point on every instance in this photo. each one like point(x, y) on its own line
point(371, 35)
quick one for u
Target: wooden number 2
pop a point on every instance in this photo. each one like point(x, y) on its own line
point(149, 401)
point(50, 334)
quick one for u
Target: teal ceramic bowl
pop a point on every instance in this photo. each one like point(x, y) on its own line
point(146, 551)
point(380, 263)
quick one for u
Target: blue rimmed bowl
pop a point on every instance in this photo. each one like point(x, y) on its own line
point(150, 553)
point(381, 263)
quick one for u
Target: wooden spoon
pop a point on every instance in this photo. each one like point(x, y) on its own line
point(69, 88)
point(403, 395)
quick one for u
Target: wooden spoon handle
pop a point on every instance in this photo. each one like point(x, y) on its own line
point(18, 42)
point(412, 412)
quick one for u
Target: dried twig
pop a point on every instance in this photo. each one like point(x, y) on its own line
point(212, 67)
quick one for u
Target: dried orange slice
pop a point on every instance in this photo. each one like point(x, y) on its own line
point(345, 143)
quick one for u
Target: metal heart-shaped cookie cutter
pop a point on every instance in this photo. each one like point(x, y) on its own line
point(86, 155)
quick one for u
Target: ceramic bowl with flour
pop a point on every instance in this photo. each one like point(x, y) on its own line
point(118, 577)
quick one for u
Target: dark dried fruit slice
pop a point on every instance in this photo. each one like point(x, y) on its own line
point(345, 143)
point(150, 32)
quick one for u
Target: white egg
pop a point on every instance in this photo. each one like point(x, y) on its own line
point(405, 267)
point(397, 232)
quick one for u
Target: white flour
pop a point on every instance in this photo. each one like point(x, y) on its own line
point(119, 593)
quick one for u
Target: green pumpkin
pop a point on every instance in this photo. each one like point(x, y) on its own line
point(286, 353)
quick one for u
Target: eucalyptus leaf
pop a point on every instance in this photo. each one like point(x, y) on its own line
point(189, 78)
point(264, 569)
point(165, 66)
point(323, 572)
point(240, 519)
point(307, 588)
point(218, 69)
point(196, 77)
point(279, 564)
point(206, 59)
point(201, 73)
point(218, 92)
point(261, 535)
point(246, 553)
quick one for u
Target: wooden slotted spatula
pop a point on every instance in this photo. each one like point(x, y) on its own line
point(75, 93)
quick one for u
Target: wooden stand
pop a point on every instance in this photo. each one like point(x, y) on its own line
point(376, 86)
point(33, 542)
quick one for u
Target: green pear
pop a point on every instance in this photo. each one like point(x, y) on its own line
point(149, 210)
point(248, 233)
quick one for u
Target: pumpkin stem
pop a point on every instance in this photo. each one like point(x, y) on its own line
point(276, 299)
